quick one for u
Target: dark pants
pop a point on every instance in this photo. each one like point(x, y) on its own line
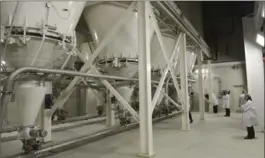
point(190, 117)
point(227, 112)
point(215, 109)
point(251, 132)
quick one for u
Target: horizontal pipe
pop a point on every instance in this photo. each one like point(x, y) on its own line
point(8, 86)
point(68, 120)
point(58, 129)
point(59, 147)
point(73, 119)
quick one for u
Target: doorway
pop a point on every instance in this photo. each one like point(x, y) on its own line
point(236, 91)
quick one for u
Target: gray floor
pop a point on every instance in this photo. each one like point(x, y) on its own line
point(216, 137)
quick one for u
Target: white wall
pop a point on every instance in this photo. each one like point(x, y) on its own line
point(254, 67)
point(232, 75)
point(229, 78)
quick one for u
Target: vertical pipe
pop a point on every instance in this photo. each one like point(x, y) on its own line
point(110, 113)
point(184, 84)
point(201, 85)
point(210, 88)
point(145, 100)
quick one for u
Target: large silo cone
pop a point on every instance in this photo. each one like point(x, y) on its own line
point(29, 98)
point(126, 92)
point(120, 56)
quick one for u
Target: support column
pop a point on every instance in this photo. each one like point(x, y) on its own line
point(210, 89)
point(184, 84)
point(46, 124)
point(201, 85)
point(145, 99)
point(110, 112)
point(46, 120)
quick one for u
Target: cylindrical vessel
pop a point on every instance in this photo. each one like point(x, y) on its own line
point(191, 59)
point(120, 56)
point(126, 92)
point(42, 33)
point(39, 34)
point(29, 97)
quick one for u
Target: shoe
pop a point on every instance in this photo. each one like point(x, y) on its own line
point(247, 137)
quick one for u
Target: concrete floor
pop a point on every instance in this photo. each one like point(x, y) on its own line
point(216, 137)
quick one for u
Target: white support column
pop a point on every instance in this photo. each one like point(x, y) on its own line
point(110, 112)
point(46, 120)
point(145, 99)
point(46, 124)
point(184, 84)
point(201, 85)
point(210, 89)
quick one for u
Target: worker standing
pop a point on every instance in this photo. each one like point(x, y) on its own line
point(249, 117)
point(226, 103)
point(189, 107)
point(214, 102)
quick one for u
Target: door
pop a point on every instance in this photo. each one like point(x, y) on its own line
point(237, 90)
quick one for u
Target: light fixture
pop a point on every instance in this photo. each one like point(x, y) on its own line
point(3, 62)
point(260, 39)
point(204, 71)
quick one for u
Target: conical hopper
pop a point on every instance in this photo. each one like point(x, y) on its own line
point(100, 18)
point(29, 98)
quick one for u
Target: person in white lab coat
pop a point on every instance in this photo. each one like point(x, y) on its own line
point(249, 117)
point(226, 103)
point(214, 102)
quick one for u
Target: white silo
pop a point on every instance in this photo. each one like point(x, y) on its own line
point(38, 34)
point(120, 56)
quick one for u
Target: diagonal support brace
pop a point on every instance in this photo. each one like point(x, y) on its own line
point(162, 79)
point(109, 36)
point(159, 35)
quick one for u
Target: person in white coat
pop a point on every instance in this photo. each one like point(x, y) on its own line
point(214, 102)
point(249, 117)
point(226, 103)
